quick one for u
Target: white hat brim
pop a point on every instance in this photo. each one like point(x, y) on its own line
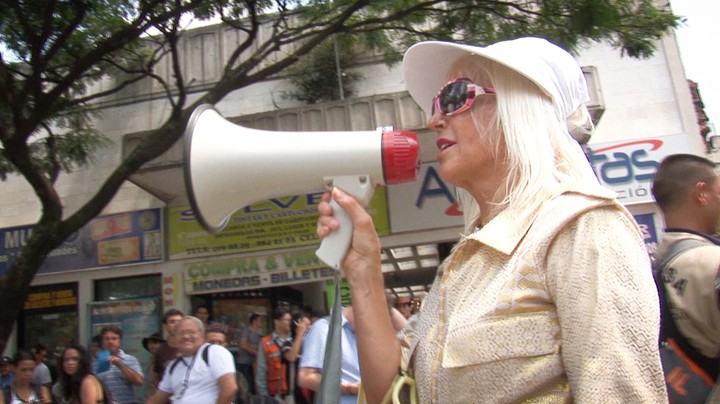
point(426, 68)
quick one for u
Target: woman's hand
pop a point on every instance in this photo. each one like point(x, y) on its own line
point(363, 256)
point(378, 349)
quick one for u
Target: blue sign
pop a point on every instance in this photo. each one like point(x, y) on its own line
point(111, 240)
point(628, 166)
point(646, 223)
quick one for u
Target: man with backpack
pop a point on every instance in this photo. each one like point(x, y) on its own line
point(687, 264)
point(202, 373)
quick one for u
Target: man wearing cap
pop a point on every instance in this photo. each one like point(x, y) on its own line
point(548, 296)
point(6, 376)
point(151, 344)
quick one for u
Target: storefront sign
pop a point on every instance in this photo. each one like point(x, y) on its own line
point(268, 225)
point(345, 295)
point(427, 203)
point(628, 167)
point(646, 222)
point(119, 239)
point(49, 317)
point(171, 291)
point(255, 272)
point(51, 299)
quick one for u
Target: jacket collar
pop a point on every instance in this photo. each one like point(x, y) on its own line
point(505, 231)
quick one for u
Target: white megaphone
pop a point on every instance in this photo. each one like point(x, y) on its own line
point(229, 167)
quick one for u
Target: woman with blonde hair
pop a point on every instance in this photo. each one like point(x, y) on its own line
point(548, 296)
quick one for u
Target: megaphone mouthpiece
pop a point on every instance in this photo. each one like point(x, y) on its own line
point(400, 156)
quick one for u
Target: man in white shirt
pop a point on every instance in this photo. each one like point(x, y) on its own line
point(202, 373)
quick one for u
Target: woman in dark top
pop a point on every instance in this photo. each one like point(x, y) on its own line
point(77, 384)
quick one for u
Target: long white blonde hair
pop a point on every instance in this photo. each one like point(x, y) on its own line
point(541, 154)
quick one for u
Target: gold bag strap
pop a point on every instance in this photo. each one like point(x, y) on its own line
point(394, 395)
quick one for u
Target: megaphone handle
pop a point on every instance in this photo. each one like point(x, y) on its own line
point(334, 247)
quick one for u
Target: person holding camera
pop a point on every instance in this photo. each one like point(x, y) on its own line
point(275, 352)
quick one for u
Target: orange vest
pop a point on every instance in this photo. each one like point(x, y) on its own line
point(276, 370)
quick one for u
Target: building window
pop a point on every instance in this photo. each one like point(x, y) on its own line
point(128, 288)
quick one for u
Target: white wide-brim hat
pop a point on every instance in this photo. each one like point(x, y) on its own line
point(426, 67)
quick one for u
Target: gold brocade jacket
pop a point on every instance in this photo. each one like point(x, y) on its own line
point(556, 304)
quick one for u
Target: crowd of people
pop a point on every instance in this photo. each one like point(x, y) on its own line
point(290, 360)
point(190, 362)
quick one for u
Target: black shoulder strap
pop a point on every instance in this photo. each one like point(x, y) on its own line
point(204, 354)
point(668, 328)
point(8, 394)
point(676, 249)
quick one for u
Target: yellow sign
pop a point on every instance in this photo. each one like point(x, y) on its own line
point(255, 272)
point(270, 225)
point(56, 298)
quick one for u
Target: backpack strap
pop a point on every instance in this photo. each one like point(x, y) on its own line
point(174, 364)
point(676, 249)
point(204, 354)
point(668, 328)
